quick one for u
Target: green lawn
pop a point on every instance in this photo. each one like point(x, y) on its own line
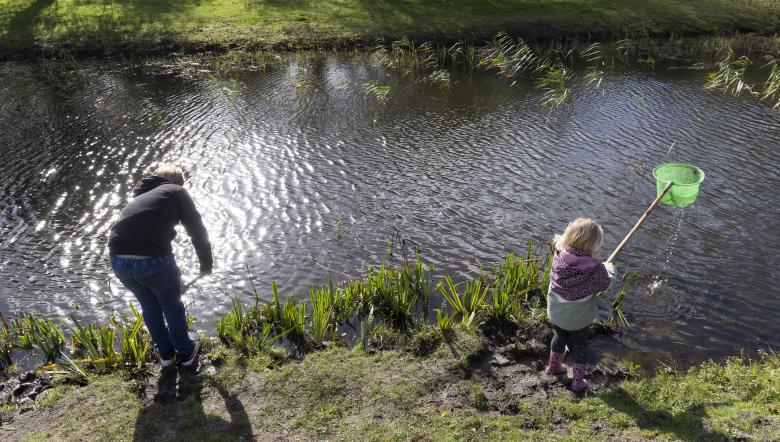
point(142, 25)
point(341, 394)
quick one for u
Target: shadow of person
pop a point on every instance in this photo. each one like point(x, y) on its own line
point(177, 410)
point(687, 425)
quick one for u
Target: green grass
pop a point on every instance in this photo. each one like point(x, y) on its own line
point(93, 26)
point(341, 394)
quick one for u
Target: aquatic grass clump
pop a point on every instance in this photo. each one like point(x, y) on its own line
point(406, 56)
point(392, 296)
point(135, 342)
point(397, 293)
point(289, 317)
point(439, 77)
point(729, 77)
point(469, 304)
point(555, 82)
point(6, 347)
point(508, 56)
point(321, 312)
point(380, 92)
point(97, 343)
point(243, 332)
point(348, 301)
point(445, 322)
point(33, 330)
point(771, 88)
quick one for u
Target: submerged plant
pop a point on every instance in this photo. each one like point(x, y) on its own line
point(440, 77)
point(381, 92)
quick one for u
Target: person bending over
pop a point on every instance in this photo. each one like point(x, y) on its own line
point(142, 258)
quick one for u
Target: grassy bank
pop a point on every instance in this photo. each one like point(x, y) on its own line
point(160, 26)
point(451, 393)
point(285, 369)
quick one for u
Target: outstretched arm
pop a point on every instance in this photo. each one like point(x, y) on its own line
point(193, 224)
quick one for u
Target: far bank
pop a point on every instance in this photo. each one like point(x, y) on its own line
point(30, 29)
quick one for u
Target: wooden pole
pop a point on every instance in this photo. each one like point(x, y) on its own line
point(639, 223)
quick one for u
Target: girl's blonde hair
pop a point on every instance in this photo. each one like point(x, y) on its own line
point(583, 234)
point(170, 172)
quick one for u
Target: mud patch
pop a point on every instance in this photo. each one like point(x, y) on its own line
point(508, 368)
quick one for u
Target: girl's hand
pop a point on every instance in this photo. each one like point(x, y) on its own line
point(610, 268)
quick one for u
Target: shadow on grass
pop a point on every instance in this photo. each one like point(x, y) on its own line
point(687, 425)
point(177, 412)
point(21, 24)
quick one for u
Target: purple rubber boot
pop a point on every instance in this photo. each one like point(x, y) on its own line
point(554, 366)
point(578, 382)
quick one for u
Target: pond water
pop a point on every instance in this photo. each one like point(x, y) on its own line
point(300, 175)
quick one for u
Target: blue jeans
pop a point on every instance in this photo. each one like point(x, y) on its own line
point(156, 284)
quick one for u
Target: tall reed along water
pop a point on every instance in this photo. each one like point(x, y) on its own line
point(309, 169)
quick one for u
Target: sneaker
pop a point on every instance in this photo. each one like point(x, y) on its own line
point(193, 357)
point(166, 359)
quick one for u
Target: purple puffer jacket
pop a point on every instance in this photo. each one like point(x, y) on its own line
point(576, 275)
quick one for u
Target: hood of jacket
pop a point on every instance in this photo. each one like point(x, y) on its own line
point(148, 184)
point(577, 259)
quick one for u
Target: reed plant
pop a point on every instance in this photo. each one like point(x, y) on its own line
point(293, 318)
point(771, 89)
point(32, 330)
point(77, 374)
point(729, 77)
point(380, 92)
point(365, 328)
point(321, 312)
point(508, 56)
point(617, 304)
point(96, 343)
point(406, 56)
point(243, 332)
point(22, 332)
point(555, 82)
point(468, 304)
point(6, 347)
point(135, 341)
point(349, 300)
point(396, 294)
point(445, 322)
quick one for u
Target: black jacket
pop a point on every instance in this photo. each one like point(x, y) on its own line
point(146, 225)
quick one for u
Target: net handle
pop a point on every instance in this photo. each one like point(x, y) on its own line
point(639, 223)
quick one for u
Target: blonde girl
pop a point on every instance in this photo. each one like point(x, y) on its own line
point(576, 277)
